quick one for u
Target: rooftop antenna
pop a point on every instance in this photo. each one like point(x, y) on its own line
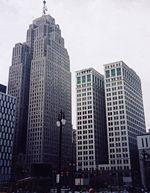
point(44, 7)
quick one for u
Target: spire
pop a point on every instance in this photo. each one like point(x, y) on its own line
point(44, 7)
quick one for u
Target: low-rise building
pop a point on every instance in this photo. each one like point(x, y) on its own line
point(143, 142)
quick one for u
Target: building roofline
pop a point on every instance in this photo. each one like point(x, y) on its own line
point(113, 62)
point(143, 134)
point(89, 69)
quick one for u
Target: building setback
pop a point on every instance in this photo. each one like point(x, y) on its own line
point(7, 125)
point(91, 120)
point(125, 117)
point(40, 79)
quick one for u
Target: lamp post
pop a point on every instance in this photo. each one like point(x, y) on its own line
point(60, 122)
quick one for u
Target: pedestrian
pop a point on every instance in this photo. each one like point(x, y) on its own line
point(91, 190)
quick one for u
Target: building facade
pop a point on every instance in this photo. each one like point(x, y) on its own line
point(143, 142)
point(7, 125)
point(91, 147)
point(40, 79)
point(125, 118)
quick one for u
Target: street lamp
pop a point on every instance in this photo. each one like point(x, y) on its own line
point(60, 122)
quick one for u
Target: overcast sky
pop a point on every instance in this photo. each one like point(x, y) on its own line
point(96, 32)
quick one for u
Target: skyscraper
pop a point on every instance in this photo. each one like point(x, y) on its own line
point(18, 86)
point(7, 125)
point(48, 91)
point(91, 120)
point(125, 117)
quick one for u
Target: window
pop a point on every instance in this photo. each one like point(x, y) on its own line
point(83, 79)
point(118, 71)
point(146, 142)
point(107, 74)
point(88, 78)
point(78, 80)
point(142, 143)
point(113, 72)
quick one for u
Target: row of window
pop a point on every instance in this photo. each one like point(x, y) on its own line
point(6, 100)
point(114, 93)
point(125, 161)
point(114, 79)
point(85, 142)
point(85, 147)
point(85, 163)
point(107, 66)
point(85, 127)
point(5, 171)
point(115, 107)
point(117, 139)
point(116, 150)
point(85, 132)
point(86, 158)
point(116, 123)
point(118, 155)
point(84, 79)
point(6, 156)
point(116, 128)
point(113, 72)
point(84, 90)
point(117, 133)
point(84, 85)
point(118, 144)
point(85, 152)
point(85, 137)
point(114, 84)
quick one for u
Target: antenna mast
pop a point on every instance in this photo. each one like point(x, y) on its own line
point(44, 7)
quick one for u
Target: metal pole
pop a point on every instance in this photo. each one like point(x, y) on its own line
point(72, 164)
point(59, 159)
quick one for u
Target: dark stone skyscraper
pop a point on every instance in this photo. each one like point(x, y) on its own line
point(50, 92)
point(18, 86)
point(48, 67)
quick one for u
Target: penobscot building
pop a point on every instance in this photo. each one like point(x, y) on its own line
point(125, 118)
point(91, 148)
point(40, 79)
point(50, 92)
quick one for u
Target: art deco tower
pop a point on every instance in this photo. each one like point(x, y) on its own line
point(49, 93)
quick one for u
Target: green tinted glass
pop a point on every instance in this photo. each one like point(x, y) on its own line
point(107, 74)
point(88, 78)
point(83, 79)
point(78, 80)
